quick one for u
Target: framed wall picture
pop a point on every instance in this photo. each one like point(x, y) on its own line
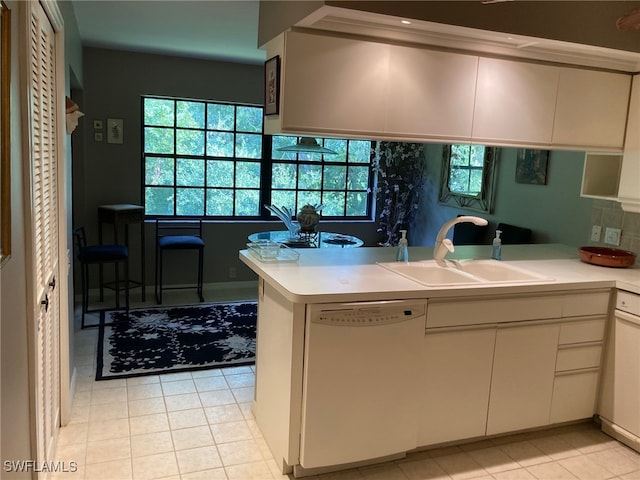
point(272, 86)
point(531, 166)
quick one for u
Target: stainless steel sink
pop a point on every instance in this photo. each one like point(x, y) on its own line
point(469, 272)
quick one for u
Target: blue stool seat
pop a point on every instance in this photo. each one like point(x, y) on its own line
point(103, 253)
point(180, 242)
point(99, 255)
point(178, 234)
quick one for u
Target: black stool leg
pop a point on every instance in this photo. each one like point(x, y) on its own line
point(159, 282)
point(156, 273)
point(126, 283)
point(200, 273)
point(85, 291)
point(101, 280)
point(116, 264)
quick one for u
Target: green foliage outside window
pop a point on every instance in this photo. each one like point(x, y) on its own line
point(465, 170)
point(340, 182)
point(209, 159)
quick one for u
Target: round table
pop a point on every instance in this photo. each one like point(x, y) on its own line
point(315, 240)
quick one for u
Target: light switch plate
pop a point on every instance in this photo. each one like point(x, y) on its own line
point(596, 230)
point(612, 236)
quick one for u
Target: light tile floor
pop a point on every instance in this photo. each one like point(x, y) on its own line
point(199, 425)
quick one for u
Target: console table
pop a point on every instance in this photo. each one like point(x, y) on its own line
point(123, 215)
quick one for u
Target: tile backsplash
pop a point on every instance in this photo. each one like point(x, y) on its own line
point(610, 214)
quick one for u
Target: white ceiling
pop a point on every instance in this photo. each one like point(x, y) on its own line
point(218, 30)
point(227, 30)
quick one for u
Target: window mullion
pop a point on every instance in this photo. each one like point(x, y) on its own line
point(245, 176)
point(175, 159)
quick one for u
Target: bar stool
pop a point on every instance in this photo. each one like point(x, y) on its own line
point(100, 255)
point(173, 234)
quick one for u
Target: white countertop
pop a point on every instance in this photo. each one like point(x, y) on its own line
point(351, 274)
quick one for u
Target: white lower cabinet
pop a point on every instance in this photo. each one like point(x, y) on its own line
point(498, 365)
point(523, 374)
point(457, 375)
point(580, 355)
point(574, 396)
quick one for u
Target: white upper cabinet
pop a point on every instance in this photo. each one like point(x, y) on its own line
point(334, 85)
point(629, 189)
point(430, 93)
point(354, 87)
point(515, 102)
point(591, 109)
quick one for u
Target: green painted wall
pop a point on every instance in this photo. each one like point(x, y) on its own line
point(555, 212)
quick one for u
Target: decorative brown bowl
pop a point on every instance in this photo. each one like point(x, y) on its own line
point(607, 257)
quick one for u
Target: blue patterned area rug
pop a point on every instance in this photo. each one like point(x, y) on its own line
point(153, 341)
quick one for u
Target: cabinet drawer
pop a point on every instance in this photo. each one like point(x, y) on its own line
point(574, 396)
point(593, 303)
point(497, 310)
point(575, 358)
point(582, 331)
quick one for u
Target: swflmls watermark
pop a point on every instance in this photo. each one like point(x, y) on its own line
point(54, 466)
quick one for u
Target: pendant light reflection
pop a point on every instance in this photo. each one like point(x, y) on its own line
point(307, 145)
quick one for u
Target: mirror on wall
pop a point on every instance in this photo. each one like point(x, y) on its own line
point(468, 176)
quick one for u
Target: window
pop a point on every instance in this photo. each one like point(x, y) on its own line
point(340, 182)
point(201, 158)
point(468, 176)
point(211, 159)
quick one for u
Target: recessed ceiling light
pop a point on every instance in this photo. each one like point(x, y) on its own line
point(405, 22)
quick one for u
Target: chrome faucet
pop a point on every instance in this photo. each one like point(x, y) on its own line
point(444, 245)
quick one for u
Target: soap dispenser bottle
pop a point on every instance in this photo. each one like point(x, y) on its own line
point(496, 247)
point(402, 254)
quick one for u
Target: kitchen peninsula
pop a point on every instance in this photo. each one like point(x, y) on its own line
point(341, 339)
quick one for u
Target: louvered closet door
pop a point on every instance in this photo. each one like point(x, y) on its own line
point(44, 223)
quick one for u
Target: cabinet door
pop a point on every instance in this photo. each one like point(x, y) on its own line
point(456, 375)
point(629, 192)
point(515, 101)
point(591, 109)
point(334, 85)
point(430, 93)
point(523, 374)
point(574, 396)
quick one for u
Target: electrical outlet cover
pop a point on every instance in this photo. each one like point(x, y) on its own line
point(612, 236)
point(596, 231)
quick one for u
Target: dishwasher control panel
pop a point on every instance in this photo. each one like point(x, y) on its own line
point(628, 302)
point(367, 317)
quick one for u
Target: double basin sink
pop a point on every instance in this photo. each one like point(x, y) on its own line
point(464, 272)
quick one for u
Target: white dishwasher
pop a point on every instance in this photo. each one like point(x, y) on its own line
point(360, 387)
point(621, 415)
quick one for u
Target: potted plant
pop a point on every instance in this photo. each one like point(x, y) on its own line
point(400, 175)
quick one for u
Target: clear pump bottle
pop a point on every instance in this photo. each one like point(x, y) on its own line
point(402, 254)
point(496, 246)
